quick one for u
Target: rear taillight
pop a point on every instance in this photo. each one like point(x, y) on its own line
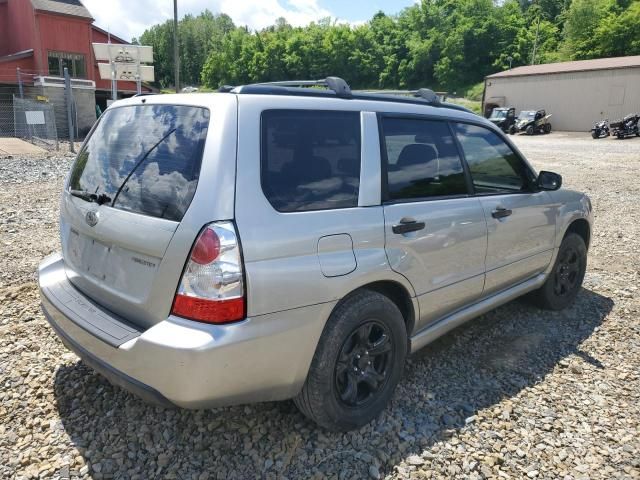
point(212, 286)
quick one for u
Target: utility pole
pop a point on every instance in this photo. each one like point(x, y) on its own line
point(176, 53)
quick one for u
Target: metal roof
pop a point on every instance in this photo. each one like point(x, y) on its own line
point(74, 8)
point(567, 67)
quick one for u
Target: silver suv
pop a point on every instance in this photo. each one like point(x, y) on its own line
point(274, 241)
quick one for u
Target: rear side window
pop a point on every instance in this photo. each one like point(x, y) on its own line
point(494, 166)
point(310, 159)
point(144, 158)
point(422, 159)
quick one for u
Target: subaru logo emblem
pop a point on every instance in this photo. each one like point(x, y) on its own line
point(91, 218)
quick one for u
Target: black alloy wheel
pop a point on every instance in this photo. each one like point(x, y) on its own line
point(566, 275)
point(363, 364)
point(357, 364)
point(565, 279)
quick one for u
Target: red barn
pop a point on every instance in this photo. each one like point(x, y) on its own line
point(42, 37)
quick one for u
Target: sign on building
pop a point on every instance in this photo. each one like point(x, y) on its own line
point(125, 62)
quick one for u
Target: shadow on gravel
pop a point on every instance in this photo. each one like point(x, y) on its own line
point(490, 359)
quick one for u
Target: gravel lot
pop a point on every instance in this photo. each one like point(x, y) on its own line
point(518, 393)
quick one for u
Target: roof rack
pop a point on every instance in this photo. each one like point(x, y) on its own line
point(424, 93)
point(336, 86)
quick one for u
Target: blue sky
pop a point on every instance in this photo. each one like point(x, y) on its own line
point(129, 18)
point(354, 11)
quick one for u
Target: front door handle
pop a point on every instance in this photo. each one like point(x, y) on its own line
point(501, 212)
point(407, 225)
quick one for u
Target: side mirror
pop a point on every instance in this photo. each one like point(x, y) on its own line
point(549, 181)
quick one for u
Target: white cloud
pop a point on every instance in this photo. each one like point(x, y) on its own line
point(129, 18)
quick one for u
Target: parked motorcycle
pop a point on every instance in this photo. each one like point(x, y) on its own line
point(626, 127)
point(600, 129)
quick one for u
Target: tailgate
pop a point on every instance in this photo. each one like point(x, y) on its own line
point(127, 194)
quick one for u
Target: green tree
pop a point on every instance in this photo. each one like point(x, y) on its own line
point(197, 36)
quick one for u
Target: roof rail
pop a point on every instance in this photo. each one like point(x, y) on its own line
point(424, 93)
point(337, 87)
point(336, 84)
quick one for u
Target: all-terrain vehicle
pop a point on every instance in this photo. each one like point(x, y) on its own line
point(626, 127)
point(533, 121)
point(504, 118)
point(600, 129)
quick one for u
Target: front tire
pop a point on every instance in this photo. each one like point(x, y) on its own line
point(357, 364)
point(565, 280)
point(529, 130)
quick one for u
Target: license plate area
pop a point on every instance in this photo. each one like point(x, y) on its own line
point(110, 266)
point(88, 255)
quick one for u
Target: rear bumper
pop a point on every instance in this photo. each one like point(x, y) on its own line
point(185, 363)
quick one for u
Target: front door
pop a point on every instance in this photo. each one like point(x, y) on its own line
point(520, 220)
point(435, 232)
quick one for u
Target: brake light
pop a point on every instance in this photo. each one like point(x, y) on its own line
point(212, 287)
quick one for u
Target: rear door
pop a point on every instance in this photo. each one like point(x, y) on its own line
point(127, 195)
point(520, 220)
point(308, 214)
point(436, 234)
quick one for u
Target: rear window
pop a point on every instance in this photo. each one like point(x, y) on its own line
point(310, 159)
point(145, 159)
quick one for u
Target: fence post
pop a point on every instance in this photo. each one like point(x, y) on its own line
point(20, 83)
point(67, 99)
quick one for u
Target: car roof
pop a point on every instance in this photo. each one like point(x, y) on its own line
point(336, 96)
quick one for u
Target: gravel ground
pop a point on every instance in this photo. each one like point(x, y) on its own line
point(518, 393)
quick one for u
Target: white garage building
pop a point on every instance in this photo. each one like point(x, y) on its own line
point(576, 93)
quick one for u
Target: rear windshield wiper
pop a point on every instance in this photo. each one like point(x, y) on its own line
point(140, 162)
point(91, 197)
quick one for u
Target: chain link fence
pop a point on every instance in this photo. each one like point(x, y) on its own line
point(7, 122)
point(44, 109)
point(35, 122)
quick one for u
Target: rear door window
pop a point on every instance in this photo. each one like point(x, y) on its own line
point(310, 159)
point(422, 160)
point(145, 159)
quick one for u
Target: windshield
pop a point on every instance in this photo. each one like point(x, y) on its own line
point(527, 115)
point(143, 158)
point(498, 114)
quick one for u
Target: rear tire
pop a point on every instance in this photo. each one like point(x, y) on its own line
point(529, 130)
point(357, 364)
point(595, 135)
point(565, 280)
point(547, 128)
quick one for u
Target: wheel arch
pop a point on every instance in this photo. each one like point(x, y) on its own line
point(397, 293)
point(581, 227)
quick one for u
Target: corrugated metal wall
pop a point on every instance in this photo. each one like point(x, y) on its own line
point(576, 100)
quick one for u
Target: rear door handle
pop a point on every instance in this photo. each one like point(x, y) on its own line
point(407, 225)
point(501, 212)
